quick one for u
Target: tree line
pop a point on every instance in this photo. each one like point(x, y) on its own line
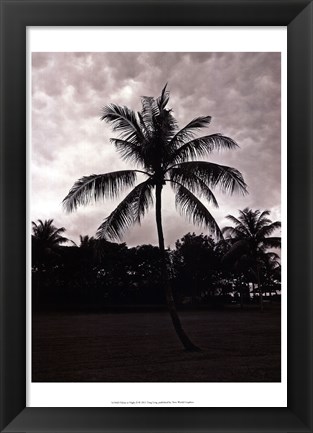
point(98, 273)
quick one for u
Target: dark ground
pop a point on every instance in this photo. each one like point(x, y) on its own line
point(237, 346)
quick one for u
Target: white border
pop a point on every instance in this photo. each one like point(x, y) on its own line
point(158, 39)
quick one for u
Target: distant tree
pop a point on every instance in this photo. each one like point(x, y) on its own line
point(271, 274)
point(145, 274)
point(152, 140)
point(251, 238)
point(196, 265)
point(86, 241)
point(46, 241)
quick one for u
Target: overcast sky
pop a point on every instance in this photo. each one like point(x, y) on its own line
point(241, 91)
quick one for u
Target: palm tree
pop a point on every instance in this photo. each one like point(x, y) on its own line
point(272, 273)
point(250, 237)
point(86, 241)
point(46, 239)
point(164, 155)
point(46, 243)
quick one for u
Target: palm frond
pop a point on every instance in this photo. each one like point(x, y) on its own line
point(234, 232)
point(57, 232)
point(149, 112)
point(264, 214)
point(163, 99)
point(131, 209)
point(158, 122)
point(58, 240)
point(96, 186)
point(227, 178)
point(192, 182)
point(166, 129)
point(190, 206)
point(43, 226)
point(145, 200)
point(247, 214)
point(124, 121)
point(129, 151)
point(243, 214)
point(262, 222)
point(272, 242)
point(55, 236)
point(269, 229)
point(187, 133)
point(35, 227)
point(145, 131)
point(234, 220)
point(201, 147)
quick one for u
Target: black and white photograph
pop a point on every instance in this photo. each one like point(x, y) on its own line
point(156, 217)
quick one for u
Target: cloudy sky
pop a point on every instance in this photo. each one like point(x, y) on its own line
point(241, 91)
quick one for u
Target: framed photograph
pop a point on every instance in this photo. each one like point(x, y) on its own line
point(97, 273)
point(109, 110)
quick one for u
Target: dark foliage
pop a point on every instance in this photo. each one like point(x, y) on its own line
point(99, 274)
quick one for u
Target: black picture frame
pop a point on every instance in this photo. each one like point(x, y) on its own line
point(16, 15)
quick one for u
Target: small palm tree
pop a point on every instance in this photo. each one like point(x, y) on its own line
point(250, 237)
point(46, 242)
point(164, 155)
point(86, 241)
point(272, 273)
point(47, 239)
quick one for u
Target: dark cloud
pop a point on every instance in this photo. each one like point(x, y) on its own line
point(241, 91)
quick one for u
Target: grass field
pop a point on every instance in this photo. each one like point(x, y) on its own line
point(237, 346)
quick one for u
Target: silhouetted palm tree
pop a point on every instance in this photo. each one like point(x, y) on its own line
point(86, 241)
point(46, 244)
point(152, 140)
point(271, 273)
point(47, 239)
point(251, 238)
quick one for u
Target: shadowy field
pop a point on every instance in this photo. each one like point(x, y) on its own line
point(237, 346)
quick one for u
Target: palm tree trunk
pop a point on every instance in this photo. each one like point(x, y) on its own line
point(168, 289)
point(241, 292)
point(259, 287)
